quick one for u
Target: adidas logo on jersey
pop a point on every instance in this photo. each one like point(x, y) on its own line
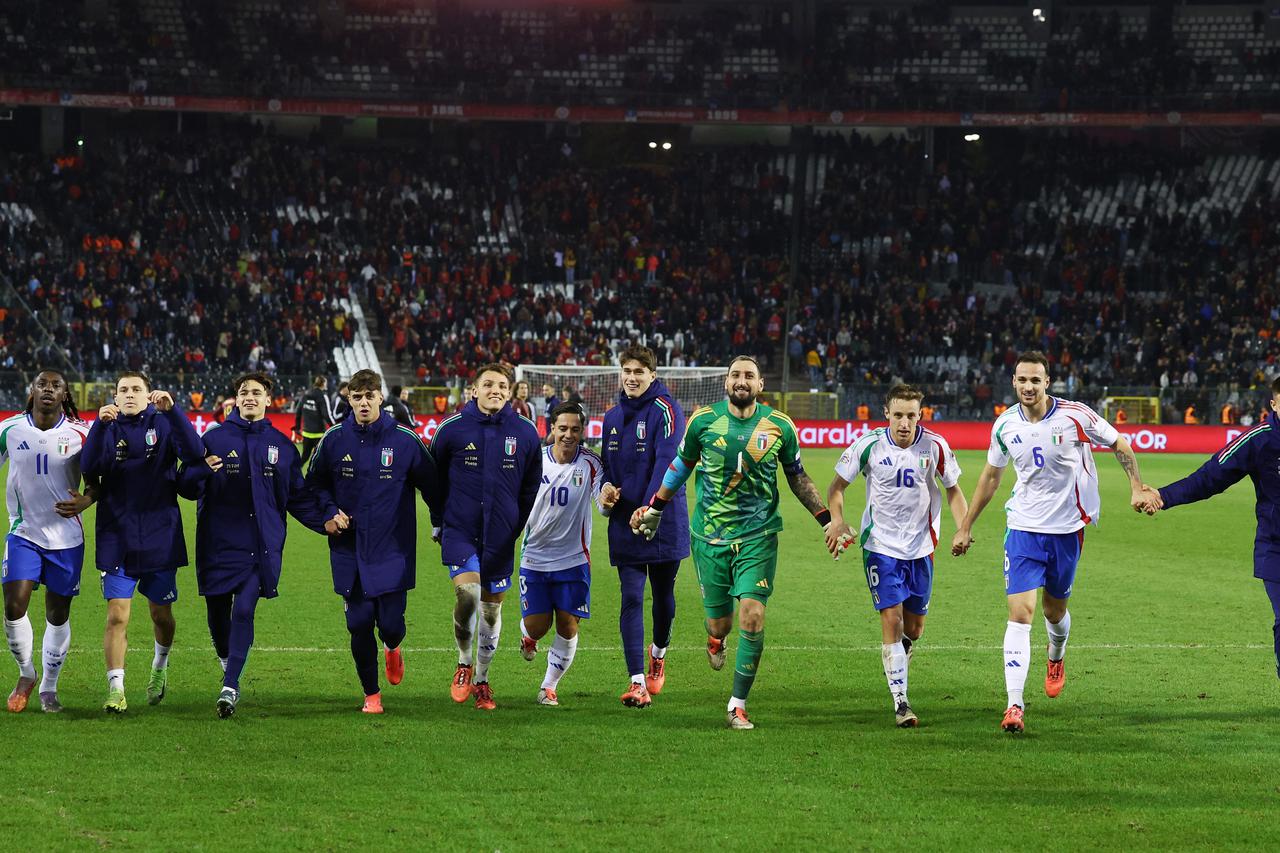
point(763, 583)
point(887, 461)
point(1017, 439)
point(24, 446)
point(720, 443)
point(122, 443)
point(347, 458)
point(546, 479)
point(233, 455)
point(470, 446)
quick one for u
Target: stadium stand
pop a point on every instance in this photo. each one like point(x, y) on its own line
point(1131, 263)
point(923, 57)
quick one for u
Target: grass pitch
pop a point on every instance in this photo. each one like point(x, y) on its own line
point(1164, 738)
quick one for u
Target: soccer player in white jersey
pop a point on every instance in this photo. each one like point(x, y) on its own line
point(1048, 441)
point(903, 464)
point(45, 544)
point(555, 563)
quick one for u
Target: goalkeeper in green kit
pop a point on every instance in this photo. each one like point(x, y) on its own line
point(740, 444)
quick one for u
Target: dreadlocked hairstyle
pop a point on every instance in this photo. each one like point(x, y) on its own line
point(68, 407)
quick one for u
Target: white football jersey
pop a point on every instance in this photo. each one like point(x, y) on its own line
point(903, 516)
point(558, 534)
point(1057, 486)
point(43, 465)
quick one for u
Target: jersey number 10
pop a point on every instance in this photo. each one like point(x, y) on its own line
point(558, 496)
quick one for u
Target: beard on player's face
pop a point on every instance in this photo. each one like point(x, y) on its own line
point(742, 396)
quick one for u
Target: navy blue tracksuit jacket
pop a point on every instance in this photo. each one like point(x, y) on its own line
point(1255, 454)
point(240, 515)
point(490, 468)
point(370, 472)
point(640, 440)
point(139, 525)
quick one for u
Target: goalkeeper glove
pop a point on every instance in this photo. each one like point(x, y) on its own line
point(842, 543)
point(650, 517)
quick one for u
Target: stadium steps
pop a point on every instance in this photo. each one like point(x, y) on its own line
point(377, 349)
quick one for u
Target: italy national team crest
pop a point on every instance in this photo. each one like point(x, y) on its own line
point(511, 445)
point(64, 446)
point(762, 441)
point(273, 454)
point(1057, 438)
point(388, 456)
point(577, 479)
point(924, 463)
point(151, 438)
point(640, 430)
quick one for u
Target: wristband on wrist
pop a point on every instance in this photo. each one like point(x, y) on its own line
point(823, 517)
point(657, 504)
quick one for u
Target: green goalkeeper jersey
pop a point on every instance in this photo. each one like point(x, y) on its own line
point(738, 471)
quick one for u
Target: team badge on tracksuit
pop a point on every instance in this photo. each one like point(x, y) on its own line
point(388, 456)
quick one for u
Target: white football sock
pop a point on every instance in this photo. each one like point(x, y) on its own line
point(464, 621)
point(487, 633)
point(21, 642)
point(1017, 657)
point(1058, 635)
point(161, 658)
point(115, 679)
point(222, 662)
point(735, 702)
point(53, 652)
point(894, 658)
point(559, 659)
point(524, 632)
point(658, 652)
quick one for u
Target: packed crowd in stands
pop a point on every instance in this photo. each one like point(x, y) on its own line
point(122, 268)
point(861, 57)
point(1147, 298)
point(244, 250)
point(613, 254)
point(181, 253)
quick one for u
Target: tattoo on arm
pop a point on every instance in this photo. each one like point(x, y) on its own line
point(804, 489)
point(1129, 463)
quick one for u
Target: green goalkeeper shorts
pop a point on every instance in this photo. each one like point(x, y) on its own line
point(729, 572)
